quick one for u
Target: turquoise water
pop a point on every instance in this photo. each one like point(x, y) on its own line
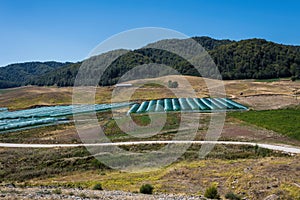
point(187, 105)
point(44, 116)
point(3, 109)
point(31, 118)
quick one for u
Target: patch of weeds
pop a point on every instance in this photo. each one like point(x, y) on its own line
point(212, 192)
point(44, 192)
point(232, 196)
point(97, 186)
point(82, 195)
point(57, 191)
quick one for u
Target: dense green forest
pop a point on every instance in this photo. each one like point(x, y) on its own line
point(19, 74)
point(245, 59)
point(210, 43)
point(65, 76)
point(258, 59)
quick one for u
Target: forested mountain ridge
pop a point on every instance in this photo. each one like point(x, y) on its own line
point(257, 59)
point(210, 43)
point(18, 74)
point(245, 59)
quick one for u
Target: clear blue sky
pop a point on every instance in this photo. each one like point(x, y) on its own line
point(67, 30)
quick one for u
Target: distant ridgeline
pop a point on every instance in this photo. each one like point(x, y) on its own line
point(245, 59)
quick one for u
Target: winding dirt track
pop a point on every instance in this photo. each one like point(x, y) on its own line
point(276, 147)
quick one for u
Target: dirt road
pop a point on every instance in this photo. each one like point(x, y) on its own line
point(276, 147)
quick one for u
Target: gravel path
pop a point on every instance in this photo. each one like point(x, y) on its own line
point(276, 147)
point(30, 193)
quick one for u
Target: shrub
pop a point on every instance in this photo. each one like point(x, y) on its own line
point(232, 196)
point(175, 84)
point(56, 191)
point(261, 151)
point(98, 186)
point(146, 189)
point(43, 192)
point(172, 84)
point(71, 193)
point(169, 83)
point(212, 192)
point(82, 195)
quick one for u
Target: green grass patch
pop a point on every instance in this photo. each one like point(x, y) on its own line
point(152, 85)
point(284, 121)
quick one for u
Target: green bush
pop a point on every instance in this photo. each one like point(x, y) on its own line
point(212, 193)
point(232, 196)
point(146, 189)
point(172, 84)
point(56, 191)
point(82, 195)
point(262, 151)
point(71, 193)
point(98, 186)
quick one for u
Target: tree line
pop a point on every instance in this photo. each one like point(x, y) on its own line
point(245, 59)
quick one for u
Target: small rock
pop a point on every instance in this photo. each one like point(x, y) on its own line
point(247, 169)
point(10, 185)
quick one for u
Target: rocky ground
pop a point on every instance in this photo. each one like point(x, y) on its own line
point(10, 192)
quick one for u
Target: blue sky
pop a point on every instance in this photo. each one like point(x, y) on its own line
point(67, 30)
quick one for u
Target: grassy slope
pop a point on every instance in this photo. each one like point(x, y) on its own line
point(284, 121)
point(253, 178)
point(191, 175)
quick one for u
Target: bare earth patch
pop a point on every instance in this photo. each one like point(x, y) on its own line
point(268, 102)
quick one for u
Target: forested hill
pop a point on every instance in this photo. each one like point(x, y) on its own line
point(18, 74)
point(258, 59)
point(245, 59)
point(210, 43)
